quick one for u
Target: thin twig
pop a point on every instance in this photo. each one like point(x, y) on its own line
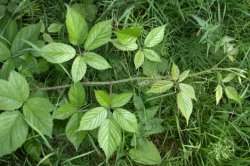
point(103, 83)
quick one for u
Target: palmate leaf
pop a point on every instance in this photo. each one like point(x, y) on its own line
point(161, 86)
point(119, 100)
point(109, 137)
point(126, 120)
point(155, 36)
point(120, 46)
point(185, 105)
point(65, 111)
point(76, 26)
point(13, 92)
point(188, 89)
point(103, 98)
point(138, 59)
point(37, 111)
point(151, 55)
point(93, 118)
point(78, 69)
point(13, 131)
point(99, 35)
point(96, 61)
point(74, 136)
point(57, 52)
point(77, 95)
point(127, 36)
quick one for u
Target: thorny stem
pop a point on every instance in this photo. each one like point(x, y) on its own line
point(111, 83)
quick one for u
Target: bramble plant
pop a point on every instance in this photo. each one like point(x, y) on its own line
point(48, 89)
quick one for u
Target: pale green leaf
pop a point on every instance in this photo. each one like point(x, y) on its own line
point(78, 69)
point(120, 46)
point(13, 131)
point(161, 86)
point(188, 89)
point(119, 100)
point(13, 92)
point(183, 75)
point(127, 36)
point(229, 77)
point(145, 153)
point(218, 93)
point(93, 118)
point(4, 52)
point(151, 55)
point(55, 27)
point(155, 36)
point(76, 26)
point(126, 120)
point(96, 61)
point(29, 33)
point(77, 95)
point(138, 59)
point(37, 111)
point(103, 98)
point(99, 35)
point(175, 72)
point(47, 38)
point(74, 136)
point(109, 137)
point(65, 111)
point(232, 93)
point(57, 52)
point(185, 105)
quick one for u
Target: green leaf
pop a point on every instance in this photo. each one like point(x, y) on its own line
point(11, 30)
point(13, 92)
point(185, 105)
point(188, 89)
point(57, 52)
point(74, 136)
point(6, 69)
point(127, 36)
point(232, 93)
point(37, 111)
point(77, 95)
point(229, 77)
point(151, 55)
point(155, 36)
point(4, 52)
point(138, 59)
point(161, 86)
point(55, 27)
point(76, 26)
point(218, 93)
point(99, 35)
point(103, 98)
point(119, 100)
point(47, 38)
point(65, 111)
point(183, 75)
point(93, 118)
point(175, 72)
point(29, 33)
point(33, 148)
point(145, 153)
point(96, 61)
point(109, 137)
point(126, 120)
point(13, 131)
point(78, 69)
point(120, 46)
